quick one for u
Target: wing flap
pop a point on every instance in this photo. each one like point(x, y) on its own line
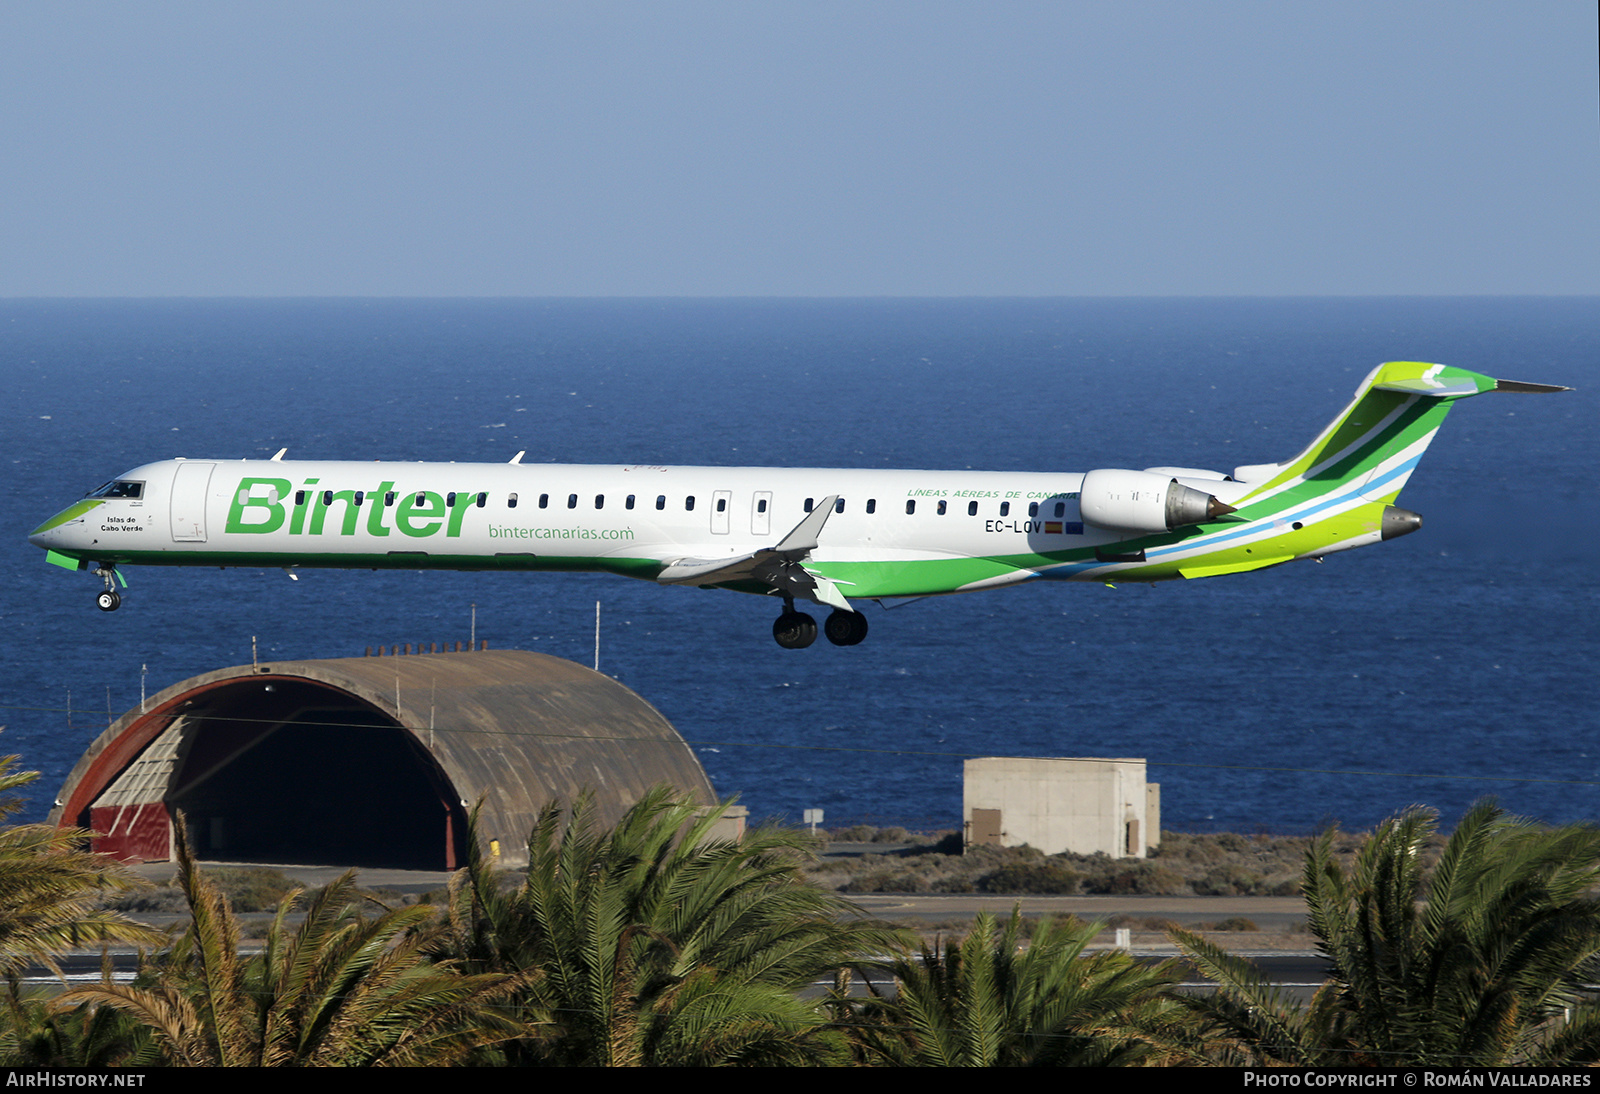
point(782, 567)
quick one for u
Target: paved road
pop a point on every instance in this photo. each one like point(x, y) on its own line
point(1287, 959)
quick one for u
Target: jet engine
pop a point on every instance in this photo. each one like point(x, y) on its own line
point(1139, 501)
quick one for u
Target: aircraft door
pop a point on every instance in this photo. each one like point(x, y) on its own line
point(189, 501)
point(721, 503)
point(761, 513)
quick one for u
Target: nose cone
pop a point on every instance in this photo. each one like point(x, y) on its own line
point(56, 531)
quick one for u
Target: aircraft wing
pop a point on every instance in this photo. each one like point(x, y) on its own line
point(781, 566)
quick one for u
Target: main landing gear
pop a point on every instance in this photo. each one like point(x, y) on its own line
point(110, 600)
point(845, 628)
point(796, 630)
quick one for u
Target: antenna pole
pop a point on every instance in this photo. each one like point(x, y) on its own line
point(596, 636)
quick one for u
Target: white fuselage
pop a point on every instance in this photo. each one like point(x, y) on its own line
point(627, 519)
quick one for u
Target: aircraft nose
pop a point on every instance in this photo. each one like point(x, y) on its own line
point(53, 532)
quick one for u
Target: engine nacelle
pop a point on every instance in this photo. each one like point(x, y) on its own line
point(1138, 501)
point(1188, 473)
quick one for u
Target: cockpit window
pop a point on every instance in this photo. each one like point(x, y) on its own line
point(118, 488)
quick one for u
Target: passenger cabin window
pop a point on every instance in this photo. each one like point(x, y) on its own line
point(327, 498)
point(544, 501)
point(450, 500)
point(511, 501)
point(972, 508)
point(872, 505)
point(722, 505)
point(360, 497)
point(661, 501)
point(688, 503)
point(1061, 508)
point(572, 501)
point(911, 507)
point(629, 503)
point(809, 503)
point(838, 506)
point(1005, 509)
point(388, 498)
point(421, 503)
point(300, 497)
point(599, 501)
point(761, 506)
point(1033, 508)
point(943, 507)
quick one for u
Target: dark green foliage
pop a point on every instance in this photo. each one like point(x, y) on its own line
point(37, 1035)
point(991, 1002)
point(338, 990)
point(1483, 974)
point(653, 943)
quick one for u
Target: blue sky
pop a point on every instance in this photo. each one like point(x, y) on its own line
point(798, 149)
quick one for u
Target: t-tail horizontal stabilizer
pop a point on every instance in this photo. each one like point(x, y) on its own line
point(782, 567)
point(1376, 442)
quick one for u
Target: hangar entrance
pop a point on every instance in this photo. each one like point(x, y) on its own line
point(295, 771)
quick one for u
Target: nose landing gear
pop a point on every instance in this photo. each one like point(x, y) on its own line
point(110, 600)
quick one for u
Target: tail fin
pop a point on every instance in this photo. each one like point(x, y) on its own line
point(1375, 443)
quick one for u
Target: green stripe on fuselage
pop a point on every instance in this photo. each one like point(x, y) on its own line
point(646, 568)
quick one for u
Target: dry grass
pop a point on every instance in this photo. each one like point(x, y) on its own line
point(1215, 864)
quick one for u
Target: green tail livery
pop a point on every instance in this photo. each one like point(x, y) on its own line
point(828, 536)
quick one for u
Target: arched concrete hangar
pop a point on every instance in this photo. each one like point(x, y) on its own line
point(371, 761)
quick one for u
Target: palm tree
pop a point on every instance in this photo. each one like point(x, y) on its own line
point(338, 990)
point(1480, 967)
point(991, 1002)
point(50, 895)
point(51, 889)
point(655, 943)
point(37, 1033)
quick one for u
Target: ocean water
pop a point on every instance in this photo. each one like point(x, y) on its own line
point(1454, 663)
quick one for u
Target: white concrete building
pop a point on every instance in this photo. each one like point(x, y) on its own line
point(1068, 804)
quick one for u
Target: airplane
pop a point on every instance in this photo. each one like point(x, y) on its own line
point(825, 536)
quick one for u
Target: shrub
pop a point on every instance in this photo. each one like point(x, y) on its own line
point(1136, 878)
point(252, 888)
point(1031, 877)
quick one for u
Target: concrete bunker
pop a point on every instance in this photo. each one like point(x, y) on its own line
point(371, 761)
